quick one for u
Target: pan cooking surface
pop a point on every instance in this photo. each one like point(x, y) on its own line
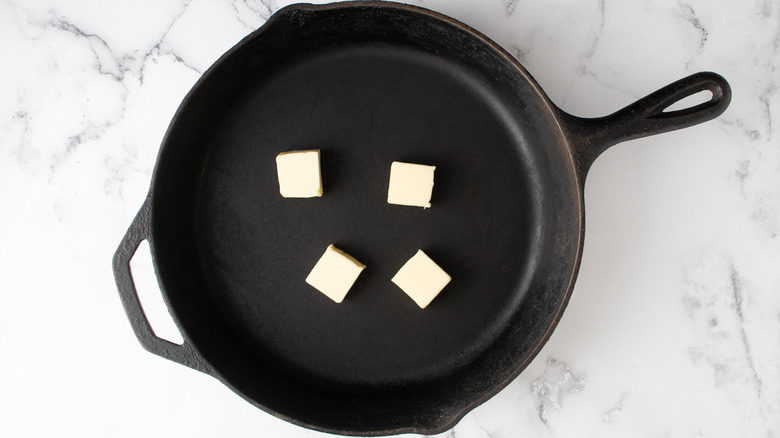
point(366, 106)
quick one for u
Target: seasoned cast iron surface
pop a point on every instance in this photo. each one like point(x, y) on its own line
point(364, 107)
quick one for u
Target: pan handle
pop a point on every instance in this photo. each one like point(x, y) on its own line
point(647, 116)
point(139, 231)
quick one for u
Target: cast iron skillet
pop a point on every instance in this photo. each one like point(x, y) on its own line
point(369, 83)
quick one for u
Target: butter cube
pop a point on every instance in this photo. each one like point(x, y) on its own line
point(335, 273)
point(299, 174)
point(410, 184)
point(421, 278)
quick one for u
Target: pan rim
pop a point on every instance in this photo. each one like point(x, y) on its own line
point(449, 421)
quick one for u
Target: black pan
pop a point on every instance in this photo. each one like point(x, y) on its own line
point(370, 83)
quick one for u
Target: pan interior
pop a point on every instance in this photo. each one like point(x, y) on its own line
point(365, 106)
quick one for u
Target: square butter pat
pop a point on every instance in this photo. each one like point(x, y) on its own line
point(410, 184)
point(421, 278)
point(335, 273)
point(299, 174)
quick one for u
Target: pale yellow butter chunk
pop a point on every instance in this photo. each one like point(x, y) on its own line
point(421, 278)
point(410, 184)
point(299, 174)
point(335, 273)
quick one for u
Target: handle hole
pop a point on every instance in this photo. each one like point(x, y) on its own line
point(150, 296)
point(691, 101)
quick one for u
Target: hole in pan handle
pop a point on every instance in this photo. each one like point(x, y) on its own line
point(647, 116)
point(138, 232)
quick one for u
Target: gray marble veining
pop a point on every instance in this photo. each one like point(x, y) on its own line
point(674, 326)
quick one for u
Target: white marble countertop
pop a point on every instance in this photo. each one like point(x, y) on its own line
point(674, 325)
